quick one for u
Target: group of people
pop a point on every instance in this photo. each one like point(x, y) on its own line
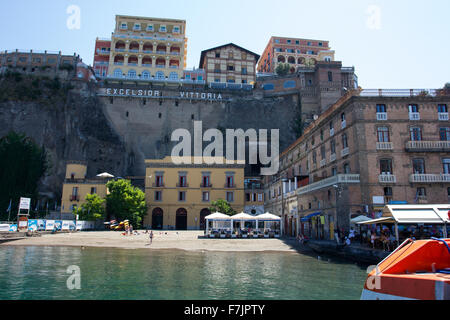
point(345, 238)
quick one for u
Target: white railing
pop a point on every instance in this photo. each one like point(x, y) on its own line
point(323, 163)
point(429, 178)
point(340, 178)
point(414, 116)
point(443, 116)
point(397, 92)
point(333, 157)
point(385, 146)
point(381, 116)
point(387, 178)
point(428, 145)
point(345, 152)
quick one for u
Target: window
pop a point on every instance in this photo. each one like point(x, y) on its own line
point(244, 70)
point(383, 134)
point(137, 26)
point(446, 165)
point(388, 195)
point(289, 41)
point(297, 42)
point(132, 74)
point(322, 152)
point(176, 29)
point(346, 168)
point(333, 146)
point(321, 135)
point(413, 108)
point(182, 181)
point(182, 196)
point(442, 108)
point(205, 196)
point(230, 196)
point(334, 171)
point(418, 166)
point(344, 141)
point(320, 44)
point(230, 182)
point(146, 75)
point(330, 76)
point(158, 195)
point(444, 134)
point(314, 157)
point(260, 197)
point(416, 134)
point(74, 191)
point(386, 166)
point(230, 67)
point(162, 28)
point(421, 192)
point(217, 54)
point(247, 197)
point(277, 40)
point(124, 26)
point(150, 27)
point(159, 181)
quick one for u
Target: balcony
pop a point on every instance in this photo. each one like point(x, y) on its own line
point(182, 185)
point(345, 152)
point(414, 116)
point(424, 146)
point(331, 132)
point(387, 178)
point(158, 185)
point(229, 186)
point(206, 185)
point(429, 178)
point(74, 198)
point(161, 52)
point(443, 116)
point(338, 179)
point(344, 124)
point(160, 65)
point(382, 116)
point(333, 157)
point(323, 162)
point(385, 146)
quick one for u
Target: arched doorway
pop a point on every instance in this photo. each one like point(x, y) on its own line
point(181, 221)
point(157, 219)
point(203, 214)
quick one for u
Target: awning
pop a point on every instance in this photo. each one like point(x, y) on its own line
point(243, 216)
point(306, 218)
point(380, 220)
point(268, 217)
point(218, 216)
point(360, 219)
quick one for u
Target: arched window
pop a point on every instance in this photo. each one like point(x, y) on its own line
point(132, 74)
point(173, 76)
point(160, 75)
point(118, 73)
point(145, 74)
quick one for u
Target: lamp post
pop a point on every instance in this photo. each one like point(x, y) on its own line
point(338, 194)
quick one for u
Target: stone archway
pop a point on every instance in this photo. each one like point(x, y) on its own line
point(157, 219)
point(181, 219)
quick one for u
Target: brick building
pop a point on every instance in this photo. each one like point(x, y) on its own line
point(101, 57)
point(29, 61)
point(369, 149)
point(297, 52)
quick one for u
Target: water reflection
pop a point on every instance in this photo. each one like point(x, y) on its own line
point(40, 273)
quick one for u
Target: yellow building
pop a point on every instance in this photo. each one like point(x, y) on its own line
point(179, 196)
point(76, 187)
point(148, 48)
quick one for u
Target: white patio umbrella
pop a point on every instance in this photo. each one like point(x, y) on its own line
point(105, 175)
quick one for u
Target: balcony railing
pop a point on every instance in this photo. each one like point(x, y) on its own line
point(414, 116)
point(429, 178)
point(345, 152)
point(443, 116)
point(74, 198)
point(158, 185)
point(437, 146)
point(382, 116)
point(160, 65)
point(323, 163)
point(340, 178)
point(387, 178)
point(344, 124)
point(182, 185)
point(206, 185)
point(385, 146)
point(229, 186)
point(333, 157)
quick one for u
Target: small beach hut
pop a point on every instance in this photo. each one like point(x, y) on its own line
point(217, 222)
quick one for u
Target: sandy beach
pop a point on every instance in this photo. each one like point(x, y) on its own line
point(181, 240)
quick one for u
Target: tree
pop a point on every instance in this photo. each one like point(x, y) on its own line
point(222, 206)
point(93, 209)
point(125, 202)
point(283, 69)
point(22, 164)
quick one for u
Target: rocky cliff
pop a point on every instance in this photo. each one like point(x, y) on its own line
point(66, 118)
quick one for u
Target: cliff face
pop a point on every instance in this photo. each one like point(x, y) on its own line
point(66, 118)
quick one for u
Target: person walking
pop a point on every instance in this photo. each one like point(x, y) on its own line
point(151, 237)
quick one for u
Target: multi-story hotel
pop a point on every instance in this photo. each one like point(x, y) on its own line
point(147, 48)
point(297, 52)
point(76, 187)
point(179, 196)
point(38, 59)
point(371, 148)
point(229, 64)
point(101, 57)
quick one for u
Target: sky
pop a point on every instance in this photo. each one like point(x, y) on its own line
point(392, 44)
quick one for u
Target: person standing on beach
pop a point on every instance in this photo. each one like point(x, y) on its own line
point(151, 237)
